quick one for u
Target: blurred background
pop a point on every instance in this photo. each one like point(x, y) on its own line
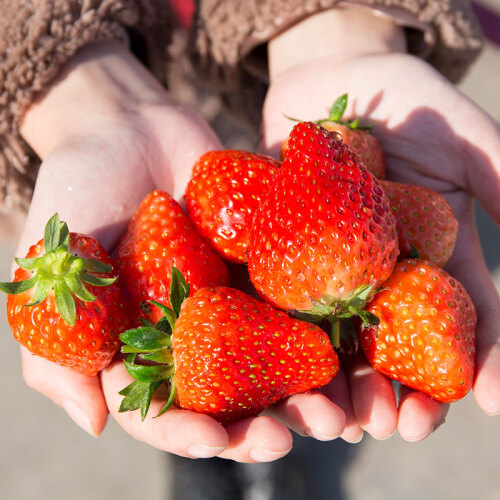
point(43, 455)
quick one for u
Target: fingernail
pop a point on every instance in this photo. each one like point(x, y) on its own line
point(356, 439)
point(202, 450)
point(318, 435)
point(261, 455)
point(78, 416)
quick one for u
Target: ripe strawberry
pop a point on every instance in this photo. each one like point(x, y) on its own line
point(425, 222)
point(64, 304)
point(323, 237)
point(225, 354)
point(224, 191)
point(158, 237)
point(426, 335)
point(358, 138)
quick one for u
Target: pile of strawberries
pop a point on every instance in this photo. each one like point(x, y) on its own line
point(247, 298)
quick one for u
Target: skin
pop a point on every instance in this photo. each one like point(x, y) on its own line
point(124, 136)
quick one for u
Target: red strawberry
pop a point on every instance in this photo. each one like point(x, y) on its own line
point(324, 237)
point(225, 354)
point(225, 190)
point(425, 222)
point(426, 335)
point(158, 237)
point(358, 138)
point(63, 304)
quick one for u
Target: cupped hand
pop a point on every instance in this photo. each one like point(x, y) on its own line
point(104, 147)
point(432, 135)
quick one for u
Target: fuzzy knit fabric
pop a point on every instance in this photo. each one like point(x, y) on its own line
point(227, 46)
point(38, 36)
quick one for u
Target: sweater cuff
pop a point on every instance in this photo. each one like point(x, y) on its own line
point(36, 39)
point(443, 32)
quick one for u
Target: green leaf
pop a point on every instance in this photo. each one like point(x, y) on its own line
point(76, 286)
point(126, 349)
point(96, 266)
point(138, 395)
point(179, 290)
point(52, 234)
point(368, 318)
point(63, 236)
point(65, 302)
point(170, 400)
point(354, 125)
point(145, 338)
point(338, 108)
point(96, 281)
point(143, 373)
point(165, 324)
point(360, 297)
point(163, 356)
point(28, 264)
point(42, 289)
point(169, 314)
point(17, 287)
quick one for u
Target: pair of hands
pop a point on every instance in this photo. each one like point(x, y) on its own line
point(108, 133)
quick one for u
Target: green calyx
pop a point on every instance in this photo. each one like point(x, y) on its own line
point(339, 313)
point(335, 115)
point(60, 272)
point(337, 111)
point(152, 344)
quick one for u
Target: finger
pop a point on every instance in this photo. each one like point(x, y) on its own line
point(182, 432)
point(419, 415)
point(338, 392)
point(257, 439)
point(373, 399)
point(311, 414)
point(469, 267)
point(79, 395)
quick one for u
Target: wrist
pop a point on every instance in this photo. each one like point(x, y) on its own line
point(338, 35)
point(99, 85)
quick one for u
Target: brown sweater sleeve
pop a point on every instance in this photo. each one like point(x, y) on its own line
point(36, 38)
point(229, 30)
point(228, 47)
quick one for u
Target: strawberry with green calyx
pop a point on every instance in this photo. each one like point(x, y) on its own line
point(426, 335)
point(323, 238)
point(357, 137)
point(426, 225)
point(161, 236)
point(225, 354)
point(64, 304)
point(224, 191)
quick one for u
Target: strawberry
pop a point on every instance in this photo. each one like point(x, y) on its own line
point(426, 224)
point(224, 191)
point(426, 335)
point(225, 354)
point(358, 138)
point(158, 237)
point(64, 304)
point(323, 238)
